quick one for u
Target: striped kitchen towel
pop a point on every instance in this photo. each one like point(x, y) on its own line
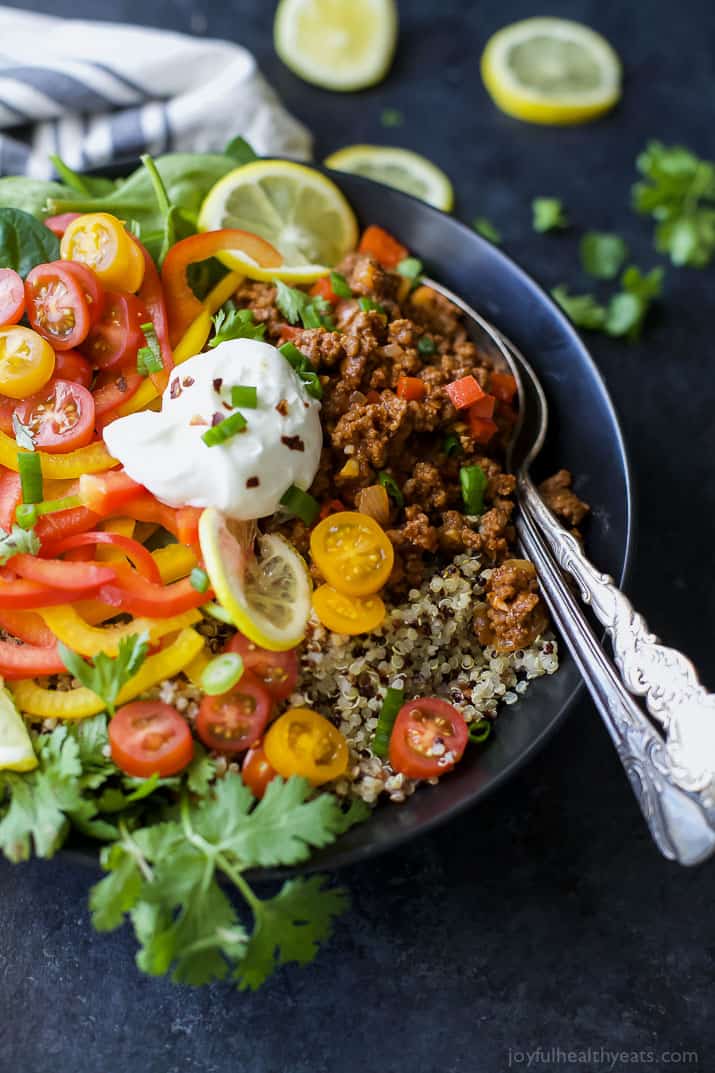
point(94, 92)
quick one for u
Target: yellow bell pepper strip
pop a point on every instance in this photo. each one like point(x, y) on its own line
point(107, 553)
point(192, 343)
point(195, 669)
point(174, 561)
point(94, 458)
point(224, 289)
point(38, 703)
point(76, 632)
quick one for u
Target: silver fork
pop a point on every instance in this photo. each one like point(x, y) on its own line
point(671, 767)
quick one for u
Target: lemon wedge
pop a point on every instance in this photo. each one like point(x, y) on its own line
point(399, 168)
point(295, 208)
point(337, 44)
point(552, 71)
point(16, 752)
point(267, 597)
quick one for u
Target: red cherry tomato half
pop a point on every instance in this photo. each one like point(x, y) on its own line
point(12, 297)
point(148, 736)
point(233, 721)
point(56, 305)
point(256, 772)
point(91, 287)
point(117, 336)
point(113, 387)
point(59, 224)
point(60, 417)
point(277, 670)
point(428, 738)
point(70, 365)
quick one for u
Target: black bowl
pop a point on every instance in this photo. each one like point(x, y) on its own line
point(584, 436)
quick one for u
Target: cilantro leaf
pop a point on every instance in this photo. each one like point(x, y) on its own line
point(548, 214)
point(18, 541)
point(627, 310)
point(602, 254)
point(486, 229)
point(295, 305)
point(678, 191)
point(108, 674)
point(391, 117)
point(582, 309)
point(236, 324)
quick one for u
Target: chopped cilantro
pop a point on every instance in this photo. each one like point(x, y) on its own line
point(678, 191)
point(235, 324)
point(486, 229)
point(107, 675)
point(602, 254)
point(19, 541)
point(548, 214)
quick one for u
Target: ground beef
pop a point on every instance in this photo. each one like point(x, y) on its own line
point(559, 497)
point(513, 615)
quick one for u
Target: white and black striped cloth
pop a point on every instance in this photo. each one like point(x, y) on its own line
point(95, 92)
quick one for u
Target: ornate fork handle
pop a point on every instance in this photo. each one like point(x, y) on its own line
point(664, 677)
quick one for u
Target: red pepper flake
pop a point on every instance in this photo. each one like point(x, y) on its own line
point(253, 482)
point(122, 383)
point(218, 383)
point(217, 419)
point(293, 443)
point(175, 389)
point(197, 419)
point(227, 405)
point(282, 407)
point(187, 381)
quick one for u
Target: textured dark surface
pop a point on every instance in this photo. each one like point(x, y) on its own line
point(544, 918)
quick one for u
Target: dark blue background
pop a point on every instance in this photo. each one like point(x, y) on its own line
point(545, 917)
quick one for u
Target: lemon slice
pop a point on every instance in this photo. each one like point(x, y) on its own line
point(400, 168)
point(337, 44)
point(267, 597)
point(16, 752)
point(547, 70)
point(299, 211)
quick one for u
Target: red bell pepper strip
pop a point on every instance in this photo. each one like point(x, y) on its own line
point(138, 596)
point(22, 595)
point(27, 661)
point(382, 247)
point(502, 386)
point(106, 493)
point(152, 295)
point(182, 304)
point(182, 522)
point(10, 496)
point(28, 627)
point(57, 574)
point(464, 392)
point(65, 522)
point(411, 388)
point(142, 559)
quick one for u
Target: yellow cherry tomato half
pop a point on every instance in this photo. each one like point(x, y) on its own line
point(27, 362)
point(302, 742)
point(352, 552)
point(98, 240)
point(347, 614)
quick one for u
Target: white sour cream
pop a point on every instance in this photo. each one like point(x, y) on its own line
point(246, 475)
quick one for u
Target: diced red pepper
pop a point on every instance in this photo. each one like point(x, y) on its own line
point(322, 288)
point(483, 407)
point(373, 396)
point(288, 332)
point(333, 506)
point(464, 392)
point(482, 429)
point(503, 386)
point(380, 245)
point(411, 388)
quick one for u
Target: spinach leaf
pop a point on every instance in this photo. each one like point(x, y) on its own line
point(30, 195)
point(240, 150)
point(25, 242)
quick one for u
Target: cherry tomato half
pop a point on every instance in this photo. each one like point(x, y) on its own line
point(233, 721)
point(98, 240)
point(147, 737)
point(27, 361)
point(56, 305)
point(302, 742)
point(59, 224)
point(277, 670)
point(256, 772)
point(12, 296)
point(428, 738)
point(91, 288)
point(347, 614)
point(70, 365)
point(117, 336)
point(61, 417)
point(113, 387)
point(352, 552)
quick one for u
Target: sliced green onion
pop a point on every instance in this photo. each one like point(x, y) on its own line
point(425, 345)
point(367, 304)
point(26, 514)
point(302, 366)
point(218, 612)
point(30, 469)
point(391, 486)
point(340, 285)
point(300, 504)
point(310, 316)
point(473, 480)
point(452, 446)
point(480, 731)
point(221, 673)
point(410, 268)
point(393, 701)
point(291, 353)
point(244, 396)
point(199, 579)
point(149, 358)
point(224, 430)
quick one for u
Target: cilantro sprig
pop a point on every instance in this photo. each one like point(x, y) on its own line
point(18, 542)
point(625, 311)
point(678, 191)
point(235, 324)
point(548, 214)
point(602, 254)
point(313, 311)
point(108, 674)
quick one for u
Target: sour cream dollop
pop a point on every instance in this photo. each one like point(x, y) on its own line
point(246, 475)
